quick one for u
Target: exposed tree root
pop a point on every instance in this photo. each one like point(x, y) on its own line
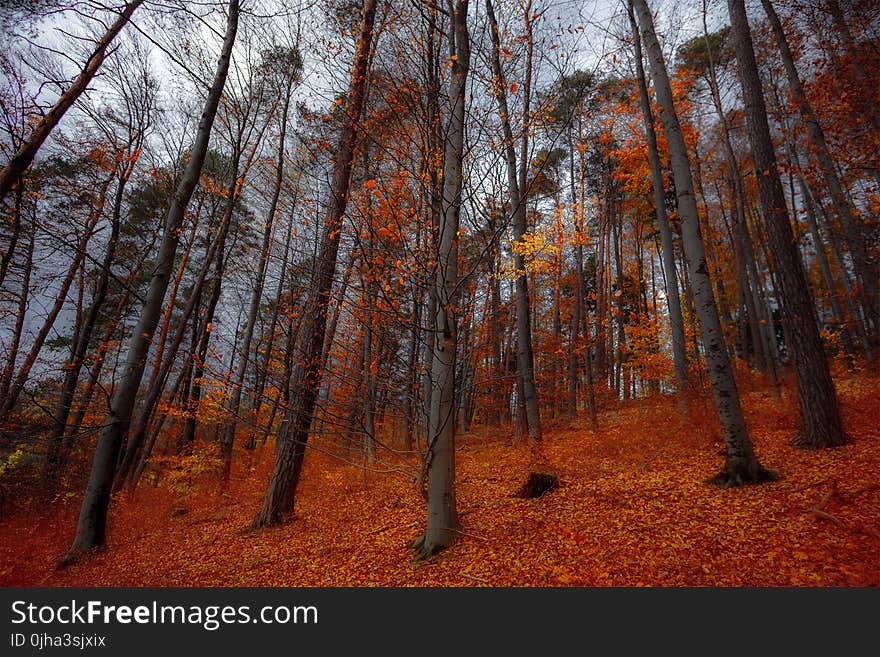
point(76, 555)
point(735, 477)
point(802, 441)
point(422, 551)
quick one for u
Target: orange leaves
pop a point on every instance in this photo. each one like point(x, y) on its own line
point(632, 509)
point(386, 234)
point(513, 87)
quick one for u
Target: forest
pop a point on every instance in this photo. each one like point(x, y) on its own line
point(442, 293)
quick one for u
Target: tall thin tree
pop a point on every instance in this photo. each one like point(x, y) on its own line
point(820, 416)
point(308, 371)
point(741, 465)
point(92, 524)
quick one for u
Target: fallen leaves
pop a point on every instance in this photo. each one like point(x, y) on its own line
point(633, 510)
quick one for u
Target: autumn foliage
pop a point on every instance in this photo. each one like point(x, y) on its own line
point(383, 293)
point(632, 508)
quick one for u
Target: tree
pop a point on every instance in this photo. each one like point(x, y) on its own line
point(283, 68)
point(741, 465)
point(852, 230)
point(440, 453)
point(676, 319)
point(518, 192)
point(92, 524)
point(308, 370)
point(820, 416)
point(26, 152)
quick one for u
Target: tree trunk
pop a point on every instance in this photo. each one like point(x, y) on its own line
point(159, 377)
point(15, 233)
point(263, 373)
point(21, 311)
point(851, 228)
point(10, 395)
point(869, 111)
point(71, 376)
point(518, 201)
point(741, 466)
point(306, 380)
point(92, 524)
point(440, 454)
point(228, 436)
point(25, 154)
point(581, 295)
point(821, 425)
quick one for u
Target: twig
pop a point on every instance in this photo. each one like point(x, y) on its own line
point(475, 578)
point(464, 533)
point(827, 516)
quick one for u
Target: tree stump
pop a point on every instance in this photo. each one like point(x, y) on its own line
point(537, 485)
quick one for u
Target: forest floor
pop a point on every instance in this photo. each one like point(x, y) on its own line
point(632, 509)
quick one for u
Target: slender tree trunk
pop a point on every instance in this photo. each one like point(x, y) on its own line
point(71, 375)
point(95, 371)
point(263, 374)
point(92, 524)
point(25, 154)
point(573, 346)
point(21, 311)
point(278, 502)
point(16, 232)
point(869, 111)
point(201, 355)
point(228, 436)
point(741, 466)
point(11, 394)
point(581, 295)
point(440, 454)
point(369, 365)
point(820, 417)
point(518, 201)
point(159, 377)
point(827, 276)
point(165, 323)
point(601, 292)
point(410, 393)
point(851, 227)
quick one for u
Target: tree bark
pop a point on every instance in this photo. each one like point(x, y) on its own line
point(440, 454)
point(852, 232)
point(228, 436)
point(71, 375)
point(518, 201)
point(820, 417)
point(741, 466)
point(279, 500)
point(11, 393)
point(92, 525)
